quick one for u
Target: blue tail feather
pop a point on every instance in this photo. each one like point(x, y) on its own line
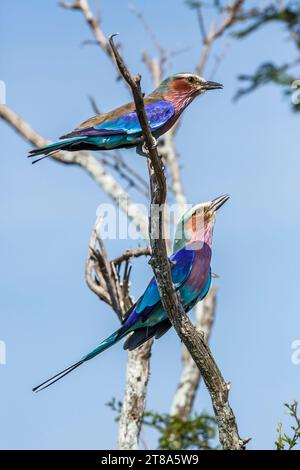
point(59, 145)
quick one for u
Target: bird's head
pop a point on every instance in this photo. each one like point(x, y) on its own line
point(196, 226)
point(186, 86)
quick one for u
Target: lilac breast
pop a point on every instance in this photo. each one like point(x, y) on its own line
point(200, 270)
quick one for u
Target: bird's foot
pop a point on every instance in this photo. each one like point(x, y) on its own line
point(143, 150)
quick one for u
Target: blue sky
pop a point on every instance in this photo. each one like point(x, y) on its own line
point(49, 317)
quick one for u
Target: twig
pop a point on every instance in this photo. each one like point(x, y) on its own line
point(218, 59)
point(105, 280)
point(150, 142)
point(233, 10)
point(193, 340)
point(94, 105)
point(148, 29)
point(155, 67)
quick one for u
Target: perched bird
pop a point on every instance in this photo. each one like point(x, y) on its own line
point(191, 275)
point(120, 128)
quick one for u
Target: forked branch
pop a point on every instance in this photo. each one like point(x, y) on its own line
point(193, 340)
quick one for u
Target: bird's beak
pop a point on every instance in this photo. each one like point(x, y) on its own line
point(218, 202)
point(212, 85)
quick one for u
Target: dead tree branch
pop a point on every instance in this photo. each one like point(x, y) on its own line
point(93, 22)
point(193, 340)
point(168, 152)
point(87, 162)
point(133, 406)
point(126, 172)
point(129, 254)
point(96, 170)
point(189, 381)
point(110, 186)
point(125, 441)
point(106, 278)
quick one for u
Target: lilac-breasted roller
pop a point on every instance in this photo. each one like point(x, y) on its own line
point(120, 128)
point(191, 275)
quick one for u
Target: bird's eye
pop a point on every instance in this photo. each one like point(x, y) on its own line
point(191, 79)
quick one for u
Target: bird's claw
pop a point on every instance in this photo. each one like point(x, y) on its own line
point(140, 150)
point(143, 150)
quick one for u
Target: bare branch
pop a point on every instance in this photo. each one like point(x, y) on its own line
point(219, 58)
point(138, 359)
point(97, 285)
point(94, 105)
point(192, 339)
point(133, 406)
point(125, 171)
point(154, 66)
point(94, 23)
point(108, 286)
point(129, 254)
point(105, 283)
point(232, 10)
point(86, 161)
point(96, 170)
point(201, 22)
point(168, 151)
point(148, 29)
